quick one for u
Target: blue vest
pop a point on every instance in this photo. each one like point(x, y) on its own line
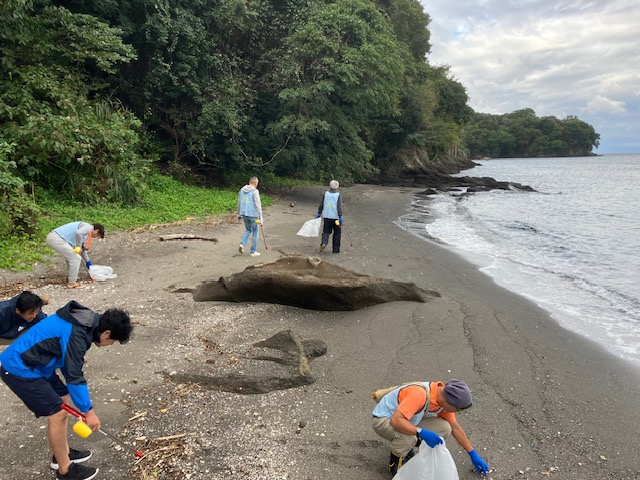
point(68, 232)
point(330, 207)
point(389, 404)
point(247, 207)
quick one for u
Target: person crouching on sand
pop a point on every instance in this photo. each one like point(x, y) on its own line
point(423, 411)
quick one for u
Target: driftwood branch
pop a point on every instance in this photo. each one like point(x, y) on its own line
point(178, 236)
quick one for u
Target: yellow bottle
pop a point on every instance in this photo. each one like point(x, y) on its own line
point(82, 429)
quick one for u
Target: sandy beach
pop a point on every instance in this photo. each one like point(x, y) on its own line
point(547, 403)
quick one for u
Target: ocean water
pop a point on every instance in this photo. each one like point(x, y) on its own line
point(573, 247)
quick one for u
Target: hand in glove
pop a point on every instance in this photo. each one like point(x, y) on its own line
point(88, 264)
point(480, 465)
point(341, 222)
point(432, 439)
point(318, 216)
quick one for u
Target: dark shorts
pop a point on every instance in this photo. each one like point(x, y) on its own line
point(41, 396)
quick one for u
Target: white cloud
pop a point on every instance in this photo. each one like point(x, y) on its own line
point(604, 104)
point(564, 58)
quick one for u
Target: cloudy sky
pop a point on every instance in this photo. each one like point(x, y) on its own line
point(572, 57)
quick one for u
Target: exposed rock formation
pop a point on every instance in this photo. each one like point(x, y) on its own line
point(414, 168)
point(308, 283)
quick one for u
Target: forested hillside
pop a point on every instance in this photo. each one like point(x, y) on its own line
point(93, 94)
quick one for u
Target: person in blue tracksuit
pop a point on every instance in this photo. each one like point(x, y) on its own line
point(250, 211)
point(73, 241)
point(331, 210)
point(19, 314)
point(60, 341)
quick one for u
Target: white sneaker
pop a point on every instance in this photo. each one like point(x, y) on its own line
point(255, 254)
point(241, 248)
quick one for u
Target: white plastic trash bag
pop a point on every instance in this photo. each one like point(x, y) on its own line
point(310, 228)
point(429, 464)
point(100, 273)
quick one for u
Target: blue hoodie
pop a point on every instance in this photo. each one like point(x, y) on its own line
point(59, 341)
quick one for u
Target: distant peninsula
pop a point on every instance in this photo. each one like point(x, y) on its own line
point(523, 134)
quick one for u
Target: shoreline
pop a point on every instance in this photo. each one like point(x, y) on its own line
point(545, 399)
point(427, 216)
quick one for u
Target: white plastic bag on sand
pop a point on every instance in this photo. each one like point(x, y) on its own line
point(100, 273)
point(429, 464)
point(310, 228)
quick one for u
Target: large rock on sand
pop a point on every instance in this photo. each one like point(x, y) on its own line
point(308, 283)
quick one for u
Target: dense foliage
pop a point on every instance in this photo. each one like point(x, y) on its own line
point(523, 134)
point(93, 93)
point(302, 88)
point(68, 135)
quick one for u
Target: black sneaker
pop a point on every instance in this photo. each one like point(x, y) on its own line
point(76, 456)
point(78, 472)
point(395, 463)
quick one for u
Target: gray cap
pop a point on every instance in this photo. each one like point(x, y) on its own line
point(457, 393)
point(334, 184)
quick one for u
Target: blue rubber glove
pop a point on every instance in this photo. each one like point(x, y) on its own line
point(432, 439)
point(317, 216)
point(340, 220)
point(479, 463)
point(89, 264)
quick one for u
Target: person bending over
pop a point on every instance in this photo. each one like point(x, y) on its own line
point(60, 341)
point(423, 411)
point(73, 241)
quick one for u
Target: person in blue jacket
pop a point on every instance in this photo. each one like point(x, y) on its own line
point(60, 341)
point(331, 210)
point(20, 313)
point(72, 241)
point(250, 211)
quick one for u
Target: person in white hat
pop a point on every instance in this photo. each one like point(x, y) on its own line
point(331, 210)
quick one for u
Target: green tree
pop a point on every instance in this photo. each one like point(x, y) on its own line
point(67, 136)
point(18, 211)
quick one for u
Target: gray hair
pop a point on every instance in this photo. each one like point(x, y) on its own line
point(334, 184)
point(253, 180)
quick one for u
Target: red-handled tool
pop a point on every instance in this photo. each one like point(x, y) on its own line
point(81, 417)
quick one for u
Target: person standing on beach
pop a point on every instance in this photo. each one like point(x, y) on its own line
point(331, 210)
point(60, 341)
point(250, 210)
point(423, 411)
point(20, 313)
point(72, 241)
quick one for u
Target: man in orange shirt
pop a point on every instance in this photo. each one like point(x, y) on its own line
point(425, 410)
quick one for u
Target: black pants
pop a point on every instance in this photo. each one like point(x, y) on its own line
point(331, 227)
